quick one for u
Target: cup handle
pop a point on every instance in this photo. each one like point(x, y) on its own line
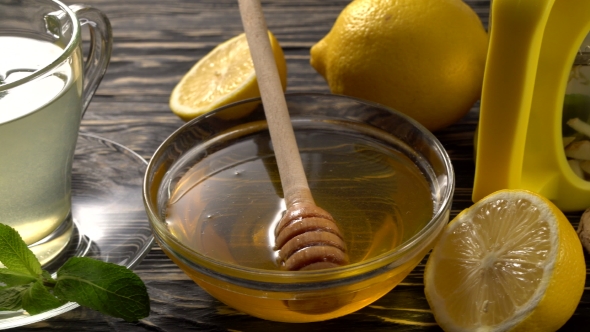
point(99, 54)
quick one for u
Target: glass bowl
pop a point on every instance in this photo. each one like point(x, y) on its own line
point(213, 199)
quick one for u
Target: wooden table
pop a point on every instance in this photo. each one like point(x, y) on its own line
point(155, 43)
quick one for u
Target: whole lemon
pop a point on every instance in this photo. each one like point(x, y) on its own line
point(421, 57)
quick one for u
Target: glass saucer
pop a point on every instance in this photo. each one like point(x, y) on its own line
point(109, 219)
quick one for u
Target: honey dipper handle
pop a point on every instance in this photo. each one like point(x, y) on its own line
point(293, 179)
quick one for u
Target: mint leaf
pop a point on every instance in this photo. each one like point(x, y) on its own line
point(15, 254)
point(109, 288)
point(10, 298)
point(47, 277)
point(13, 278)
point(37, 299)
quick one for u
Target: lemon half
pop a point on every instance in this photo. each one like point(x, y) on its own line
point(223, 76)
point(512, 261)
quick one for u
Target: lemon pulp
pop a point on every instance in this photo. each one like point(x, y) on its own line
point(223, 76)
point(511, 261)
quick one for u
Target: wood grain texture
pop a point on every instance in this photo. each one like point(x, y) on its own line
point(155, 43)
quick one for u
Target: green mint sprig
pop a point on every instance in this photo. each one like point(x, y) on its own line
point(106, 287)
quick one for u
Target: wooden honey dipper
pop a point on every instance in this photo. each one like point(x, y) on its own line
point(307, 236)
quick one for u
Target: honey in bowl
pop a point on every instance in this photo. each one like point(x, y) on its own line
point(226, 207)
point(213, 196)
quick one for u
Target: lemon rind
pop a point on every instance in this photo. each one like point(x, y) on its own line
point(187, 111)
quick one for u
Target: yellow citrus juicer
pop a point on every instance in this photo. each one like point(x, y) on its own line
point(533, 44)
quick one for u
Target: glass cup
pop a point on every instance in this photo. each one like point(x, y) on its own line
point(45, 87)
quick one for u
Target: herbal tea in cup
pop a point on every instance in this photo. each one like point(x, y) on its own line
point(45, 88)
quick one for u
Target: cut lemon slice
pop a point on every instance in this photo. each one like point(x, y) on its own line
point(512, 261)
point(223, 76)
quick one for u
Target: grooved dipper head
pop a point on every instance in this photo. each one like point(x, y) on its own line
point(308, 239)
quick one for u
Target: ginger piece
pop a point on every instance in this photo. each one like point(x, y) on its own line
point(585, 166)
point(567, 140)
point(580, 126)
point(575, 165)
point(578, 150)
point(584, 230)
